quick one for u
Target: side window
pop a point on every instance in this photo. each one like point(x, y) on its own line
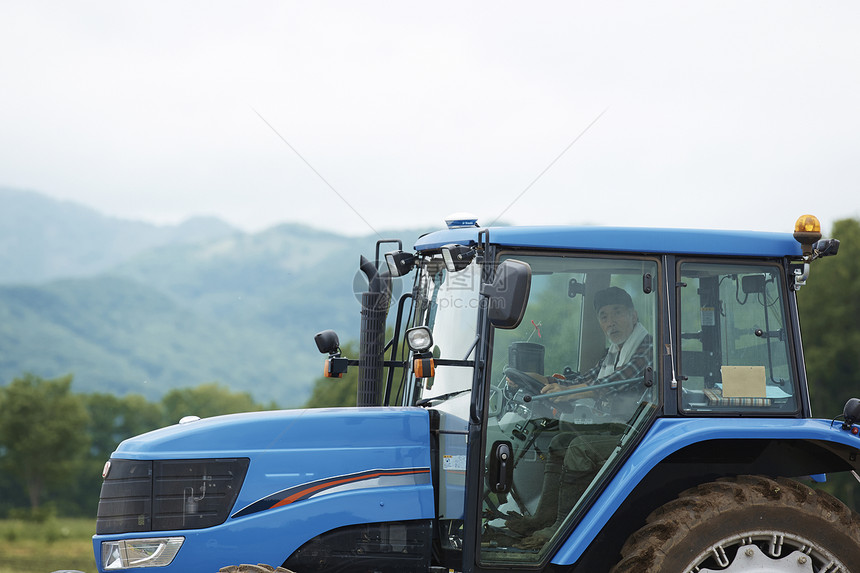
point(734, 339)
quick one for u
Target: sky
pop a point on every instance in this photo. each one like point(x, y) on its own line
point(359, 117)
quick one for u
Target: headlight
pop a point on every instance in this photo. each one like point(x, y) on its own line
point(148, 552)
point(419, 339)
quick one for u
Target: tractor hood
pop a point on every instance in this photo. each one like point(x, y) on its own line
point(318, 450)
point(248, 434)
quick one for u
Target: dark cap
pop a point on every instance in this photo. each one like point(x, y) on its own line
point(612, 295)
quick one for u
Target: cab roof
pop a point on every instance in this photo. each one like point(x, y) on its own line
point(625, 239)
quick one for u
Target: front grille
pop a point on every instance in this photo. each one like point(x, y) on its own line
point(125, 503)
point(164, 495)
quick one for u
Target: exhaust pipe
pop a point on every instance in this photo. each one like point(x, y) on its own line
point(374, 311)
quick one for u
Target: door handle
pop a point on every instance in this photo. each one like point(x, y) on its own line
point(501, 467)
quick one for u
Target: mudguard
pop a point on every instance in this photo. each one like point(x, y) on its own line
point(669, 435)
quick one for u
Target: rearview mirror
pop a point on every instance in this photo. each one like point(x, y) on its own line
point(508, 294)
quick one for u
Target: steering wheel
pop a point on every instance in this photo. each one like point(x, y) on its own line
point(523, 381)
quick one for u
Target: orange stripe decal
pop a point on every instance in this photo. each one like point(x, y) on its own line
point(305, 491)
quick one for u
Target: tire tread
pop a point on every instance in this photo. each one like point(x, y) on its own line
point(665, 527)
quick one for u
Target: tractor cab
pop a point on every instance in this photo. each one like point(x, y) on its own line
point(545, 355)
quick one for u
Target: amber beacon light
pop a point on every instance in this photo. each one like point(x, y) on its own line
point(807, 230)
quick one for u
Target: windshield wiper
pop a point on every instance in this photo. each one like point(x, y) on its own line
point(441, 397)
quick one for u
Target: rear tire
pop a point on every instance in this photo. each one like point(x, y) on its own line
point(746, 523)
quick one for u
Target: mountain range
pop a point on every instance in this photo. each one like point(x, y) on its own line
point(130, 307)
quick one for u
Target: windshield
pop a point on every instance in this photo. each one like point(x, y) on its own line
point(448, 304)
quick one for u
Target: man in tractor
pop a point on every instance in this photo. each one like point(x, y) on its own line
point(578, 452)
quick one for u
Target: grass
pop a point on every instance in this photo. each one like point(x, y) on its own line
point(54, 544)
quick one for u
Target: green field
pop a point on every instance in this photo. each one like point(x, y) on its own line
point(56, 543)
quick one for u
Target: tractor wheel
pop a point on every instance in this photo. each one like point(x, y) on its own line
point(745, 524)
point(258, 568)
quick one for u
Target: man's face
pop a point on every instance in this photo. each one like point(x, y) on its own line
point(617, 321)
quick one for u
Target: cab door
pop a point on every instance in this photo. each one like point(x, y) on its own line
point(537, 460)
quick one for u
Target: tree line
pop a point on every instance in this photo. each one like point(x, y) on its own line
point(53, 442)
point(829, 307)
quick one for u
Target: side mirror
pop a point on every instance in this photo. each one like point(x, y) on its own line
point(508, 294)
point(851, 412)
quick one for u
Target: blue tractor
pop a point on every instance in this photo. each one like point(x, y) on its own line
point(552, 399)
